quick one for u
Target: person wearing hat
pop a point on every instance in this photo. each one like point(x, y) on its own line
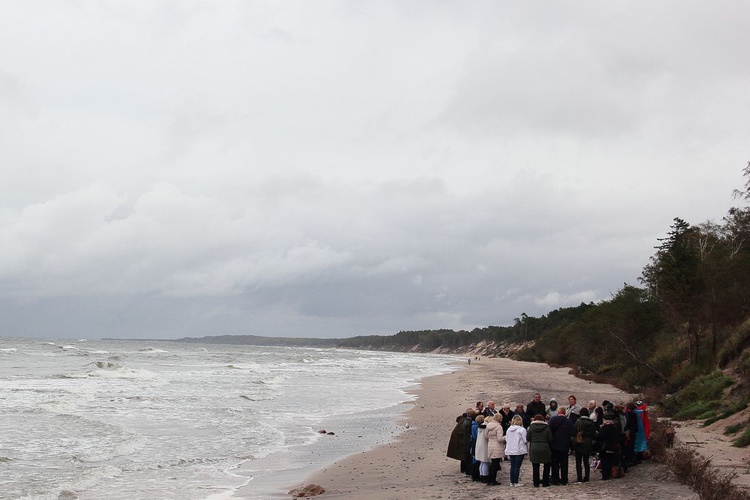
point(609, 437)
point(552, 408)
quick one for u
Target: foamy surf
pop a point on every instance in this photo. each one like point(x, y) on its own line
point(125, 420)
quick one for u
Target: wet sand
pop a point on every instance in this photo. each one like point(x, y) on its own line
point(415, 466)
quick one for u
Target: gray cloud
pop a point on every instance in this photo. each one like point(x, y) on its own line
point(178, 169)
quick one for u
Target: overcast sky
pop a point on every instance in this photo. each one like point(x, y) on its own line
point(339, 168)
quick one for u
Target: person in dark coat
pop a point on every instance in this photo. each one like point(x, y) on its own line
point(562, 431)
point(489, 410)
point(598, 416)
point(588, 430)
point(468, 465)
point(507, 414)
point(536, 407)
point(539, 438)
point(524, 416)
point(456, 445)
point(609, 437)
point(631, 429)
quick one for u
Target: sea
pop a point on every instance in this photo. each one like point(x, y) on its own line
point(123, 419)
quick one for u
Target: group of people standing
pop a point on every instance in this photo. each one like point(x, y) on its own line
point(484, 437)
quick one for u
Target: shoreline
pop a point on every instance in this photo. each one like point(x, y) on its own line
point(352, 433)
point(414, 464)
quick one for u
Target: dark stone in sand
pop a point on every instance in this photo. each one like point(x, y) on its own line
point(67, 495)
point(322, 431)
point(331, 434)
point(307, 490)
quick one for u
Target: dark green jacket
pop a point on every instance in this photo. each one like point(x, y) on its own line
point(539, 438)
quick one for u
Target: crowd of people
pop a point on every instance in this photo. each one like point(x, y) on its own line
point(607, 437)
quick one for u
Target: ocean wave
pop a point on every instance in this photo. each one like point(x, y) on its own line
point(8, 350)
point(107, 369)
point(152, 349)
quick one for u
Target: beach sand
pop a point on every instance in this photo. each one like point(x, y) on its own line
point(415, 466)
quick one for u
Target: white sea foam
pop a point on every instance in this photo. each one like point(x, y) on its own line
point(117, 420)
point(8, 350)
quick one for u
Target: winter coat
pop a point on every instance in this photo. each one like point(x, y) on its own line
point(524, 416)
point(534, 408)
point(562, 430)
point(552, 409)
point(466, 430)
point(456, 444)
point(495, 439)
point(507, 417)
point(474, 433)
point(609, 437)
point(539, 438)
point(573, 412)
point(588, 427)
point(515, 441)
point(481, 450)
point(640, 437)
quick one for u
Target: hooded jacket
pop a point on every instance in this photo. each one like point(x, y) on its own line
point(552, 409)
point(539, 438)
point(456, 444)
point(495, 439)
point(515, 441)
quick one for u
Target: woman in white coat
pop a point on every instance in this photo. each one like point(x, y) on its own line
point(481, 448)
point(496, 446)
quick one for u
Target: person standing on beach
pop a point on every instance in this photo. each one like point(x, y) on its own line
point(507, 414)
point(515, 448)
point(475, 436)
point(609, 437)
point(466, 431)
point(536, 407)
point(495, 447)
point(456, 444)
point(587, 428)
point(630, 429)
point(481, 450)
point(562, 431)
point(574, 409)
point(540, 438)
point(489, 410)
point(525, 418)
point(552, 409)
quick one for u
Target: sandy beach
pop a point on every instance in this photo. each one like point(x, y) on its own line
point(415, 464)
